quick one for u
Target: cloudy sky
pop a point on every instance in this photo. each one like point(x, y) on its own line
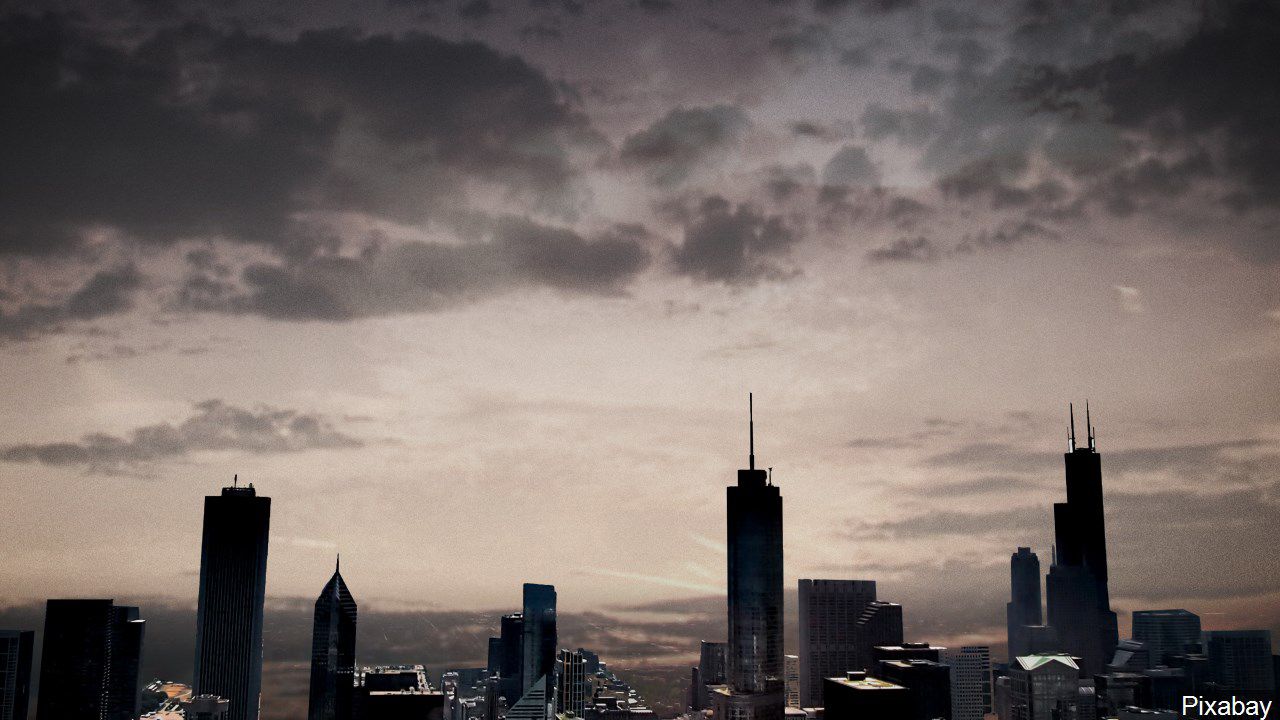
point(475, 292)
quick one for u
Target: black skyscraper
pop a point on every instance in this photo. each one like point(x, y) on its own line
point(1079, 600)
point(333, 652)
point(511, 683)
point(539, 645)
point(17, 647)
point(755, 671)
point(1024, 609)
point(233, 584)
point(89, 667)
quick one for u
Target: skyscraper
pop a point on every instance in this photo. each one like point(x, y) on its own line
point(539, 644)
point(970, 681)
point(1079, 599)
point(755, 672)
point(511, 683)
point(1024, 609)
point(1165, 632)
point(333, 651)
point(1240, 661)
point(1044, 687)
point(571, 690)
point(791, 665)
point(89, 665)
point(829, 612)
point(879, 626)
point(16, 649)
point(233, 585)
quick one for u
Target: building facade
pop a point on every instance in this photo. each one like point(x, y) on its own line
point(829, 641)
point(333, 652)
point(1165, 632)
point(17, 647)
point(90, 658)
point(1024, 609)
point(538, 647)
point(970, 681)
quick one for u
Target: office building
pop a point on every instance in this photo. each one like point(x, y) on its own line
point(928, 684)
point(712, 669)
point(205, 707)
point(1079, 601)
point(1024, 607)
point(511, 685)
point(755, 612)
point(907, 651)
point(1240, 662)
point(970, 681)
point(333, 651)
point(493, 666)
point(534, 704)
point(858, 696)
point(16, 650)
point(396, 692)
point(571, 689)
point(1131, 656)
point(233, 585)
point(1166, 632)
point(879, 626)
point(1044, 687)
point(829, 612)
point(89, 664)
point(791, 679)
point(539, 643)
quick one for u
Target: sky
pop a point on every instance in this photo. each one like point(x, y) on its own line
point(475, 292)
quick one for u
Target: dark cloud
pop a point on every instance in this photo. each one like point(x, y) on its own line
point(802, 45)
point(198, 131)
point(913, 249)
point(871, 6)
point(927, 79)
point(911, 127)
point(1212, 84)
point(670, 149)
point(733, 245)
point(851, 166)
point(215, 426)
point(107, 292)
point(422, 277)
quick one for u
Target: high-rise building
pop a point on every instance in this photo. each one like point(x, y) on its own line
point(879, 626)
point(571, 687)
point(90, 659)
point(829, 644)
point(712, 663)
point(755, 672)
point(233, 585)
point(16, 649)
point(511, 683)
point(397, 692)
point(858, 696)
point(1079, 600)
point(908, 651)
point(494, 664)
point(791, 680)
point(928, 684)
point(1024, 608)
point(534, 704)
point(333, 651)
point(204, 707)
point(970, 681)
point(1165, 632)
point(1044, 687)
point(539, 643)
point(1240, 662)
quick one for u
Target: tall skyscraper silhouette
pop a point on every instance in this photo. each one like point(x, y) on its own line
point(755, 665)
point(829, 612)
point(90, 659)
point(17, 647)
point(233, 585)
point(511, 682)
point(539, 644)
point(333, 651)
point(1024, 609)
point(1079, 599)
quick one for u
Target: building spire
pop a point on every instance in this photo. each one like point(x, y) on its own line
point(1072, 410)
point(751, 429)
point(337, 564)
point(235, 480)
point(1088, 424)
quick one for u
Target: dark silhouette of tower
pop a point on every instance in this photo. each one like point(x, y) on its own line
point(511, 683)
point(539, 644)
point(1079, 600)
point(233, 584)
point(17, 647)
point(1024, 608)
point(89, 665)
point(755, 670)
point(333, 651)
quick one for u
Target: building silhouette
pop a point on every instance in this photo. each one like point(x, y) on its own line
point(829, 641)
point(539, 644)
point(397, 692)
point(89, 664)
point(1240, 662)
point(970, 681)
point(534, 705)
point(1024, 609)
point(1079, 601)
point(233, 583)
point(755, 664)
point(1166, 632)
point(17, 647)
point(511, 683)
point(879, 626)
point(928, 684)
point(333, 651)
point(1044, 687)
point(859, 696)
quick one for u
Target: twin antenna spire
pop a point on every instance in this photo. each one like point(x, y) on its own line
point(1088, 425)
point(751, 429)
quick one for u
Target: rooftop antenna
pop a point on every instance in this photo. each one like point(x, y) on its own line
point(1093, 440)
point(337, 564)
point(1072, 443)
point(770, 476)
point(751, 428)
point(235, 480)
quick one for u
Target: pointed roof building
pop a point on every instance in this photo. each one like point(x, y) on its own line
point(333, 651)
